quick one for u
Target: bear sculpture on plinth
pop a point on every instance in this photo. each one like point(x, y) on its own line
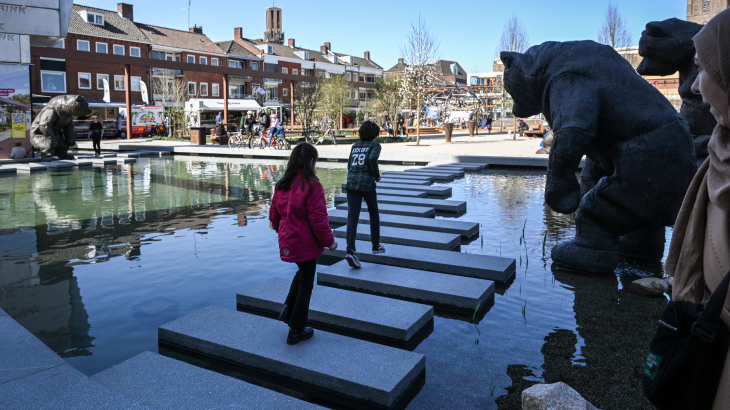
point(639, 152)
point(667, 48)
point(52, 132)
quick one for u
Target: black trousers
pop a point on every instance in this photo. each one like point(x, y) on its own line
point(300, 293)
point(96, 142)
point(354, 205)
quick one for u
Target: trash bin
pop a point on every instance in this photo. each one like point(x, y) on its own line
point(448, 129)
point(197, 136)
point(472, 124)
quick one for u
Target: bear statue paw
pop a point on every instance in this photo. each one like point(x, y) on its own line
point(571, 256)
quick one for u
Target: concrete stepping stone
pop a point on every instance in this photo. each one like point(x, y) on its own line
point(464, 166)
point(408, 174)
point(455, 293)
point(457, 173)
point(78, 163)
point(442, 205)
point(387, 180)
point(404, 210)
point(330, 366)
point(398, 175)
point(467, 230)
point(396, 192)
point(408, 237)
point(122, 160)
point(101, 162)
point(7, 169)
point(387, 321)
point(456, 263)
point(59, 165)
point(168, 384)
point(436, 191)
point(128, 155)
point(28, 167)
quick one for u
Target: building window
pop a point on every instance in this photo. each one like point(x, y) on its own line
point(53, 81)
point(134, 52)
point(349, 76)
point(102, 48)
point(100, 80)
point(215, 88)
point(94, 18)
point(135, 84)
point(295, 71)
point(284, 70)
point(85, 81)
point(285, 92)
point(214, 61)
point(191, 88)
point(119, 82)
point(272, 93)
point(254, 66)
point(82, 45)
point(118, 49)
point(60, 44)
point(204, 60)
point(203, 89)
point(235, 64)
point(191, 59)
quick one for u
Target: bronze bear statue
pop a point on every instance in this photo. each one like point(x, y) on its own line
point(52, 132)
point(639, 153)
point(667, 48)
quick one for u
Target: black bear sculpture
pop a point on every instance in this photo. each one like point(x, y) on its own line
point(667, 48)
point(640, 158)
point(52, 132)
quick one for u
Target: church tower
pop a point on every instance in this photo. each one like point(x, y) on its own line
point(273, 33)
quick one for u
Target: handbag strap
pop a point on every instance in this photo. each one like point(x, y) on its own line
point(705, 328)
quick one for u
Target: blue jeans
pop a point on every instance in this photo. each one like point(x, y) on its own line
point(354, 205)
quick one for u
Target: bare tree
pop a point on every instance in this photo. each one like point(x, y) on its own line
point(173, 93)
point(336, 97)
point(307, 97)
point(514, 37)
point(419, 55)
point(614, 32)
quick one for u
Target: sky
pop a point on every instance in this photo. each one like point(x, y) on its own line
point(468, 30)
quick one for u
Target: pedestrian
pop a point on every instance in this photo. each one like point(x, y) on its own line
point(298, 214)
point(699, 253)
point(362, 174)
point(347, 121)
point(95, 129)
point(18, 152)
point(523, 127)
point(218, 118)
point(401, 121)
point(167, 125)
point(411, 117)
point(489, 124)
point(119, 125)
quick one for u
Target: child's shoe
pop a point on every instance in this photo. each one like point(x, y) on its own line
point(379, 249)
point(353, 261)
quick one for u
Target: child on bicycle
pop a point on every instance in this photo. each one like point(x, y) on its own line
point(274, 128)
point(298, 214)
point(362, 174)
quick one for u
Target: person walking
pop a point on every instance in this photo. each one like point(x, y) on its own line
point(362, 174)
point(119, 126)
point(95, 129)
point(699, 252)
point(401, 122)
point(218, 118)
point(298, 214)
point(489, 124)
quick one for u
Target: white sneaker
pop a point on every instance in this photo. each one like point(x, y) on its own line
point(353, 261)
point(380, 249)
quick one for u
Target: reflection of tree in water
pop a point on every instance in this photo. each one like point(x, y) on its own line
point(511, 189)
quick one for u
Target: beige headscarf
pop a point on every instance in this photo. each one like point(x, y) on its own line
point(707, 196)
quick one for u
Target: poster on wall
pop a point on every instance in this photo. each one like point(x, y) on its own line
point(14, 99)
point(18, 124)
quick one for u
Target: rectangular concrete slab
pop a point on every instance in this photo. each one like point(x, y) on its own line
point(21, 353)
point(11, 169)
point(29, 167)
point(398, 175)
point(456, 263)
point(351, 369)
point(441, 205)
point(386, 180)
point(435, 191)
point(397, 192)
point(168, 384)
point(58, 165)
point(100, 162)
point(463, 166)
point(457, 173)
point(368, 317)
point(438, 289)
point(408, 237)
point(78, 163)
point(407, 174)
point(122, 160)
point(128, 155)
point(467, 230)
point(403, 210)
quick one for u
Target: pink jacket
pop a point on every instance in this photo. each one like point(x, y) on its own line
point(300, 218)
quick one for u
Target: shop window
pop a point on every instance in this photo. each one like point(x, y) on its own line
point(53, 81)
point(100, 80)
point(203, 89)
point(191, 88)
point(85, 81)
point(119, 83)
point(83, 45)
point(134, 52)
point(215, 89)
point(118, 49)
point(135, 84)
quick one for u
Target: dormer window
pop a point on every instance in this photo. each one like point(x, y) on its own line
point(92, 18)
point(304, 55)
point(333, 59)
point(268, 48)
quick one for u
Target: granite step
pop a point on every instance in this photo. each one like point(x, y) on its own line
point(11, 169)
point(337, 368)
point(454, 293)
point(27, 168)
point(456, 173)
point(403, 210)
point(59, 165)
point(467, 230)
point(128, 155)
point(441, 205)
point(464, 166)
point(78, 163)
point(123, 160)
point(398, 175)
point(101, 162)
point(470, 265)
point(387, 179)
point(397, 192)
point(407, 237)
point(407, 174)
point(435, 191)
point(377, 319)
point(168, 384)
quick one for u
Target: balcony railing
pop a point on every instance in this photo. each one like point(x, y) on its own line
point(239, 96)
point(166, 72)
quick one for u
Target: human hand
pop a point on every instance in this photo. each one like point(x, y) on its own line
point(377, 179)
point(333, 246)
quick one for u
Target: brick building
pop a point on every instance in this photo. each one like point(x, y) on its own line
point(448, 73)
point(701, 11)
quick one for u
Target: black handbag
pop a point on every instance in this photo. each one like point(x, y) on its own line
point(687, 354)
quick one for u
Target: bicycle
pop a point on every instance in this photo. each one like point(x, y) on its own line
point(279, 141)
point(315, 137)
point(242, 140)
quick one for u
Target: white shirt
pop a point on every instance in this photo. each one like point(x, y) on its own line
point(17, 153)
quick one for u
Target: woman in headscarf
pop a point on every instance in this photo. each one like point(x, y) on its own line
point(699, 254)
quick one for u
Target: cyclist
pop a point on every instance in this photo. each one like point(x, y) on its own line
point(274, 128)
point(247, 123)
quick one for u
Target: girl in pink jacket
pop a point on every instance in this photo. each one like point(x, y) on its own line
point(299, 215)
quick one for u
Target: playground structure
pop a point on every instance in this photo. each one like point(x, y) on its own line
point(452, 105)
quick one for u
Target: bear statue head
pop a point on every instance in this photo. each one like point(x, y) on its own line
point(72, 105)
point(522, 80)
point(667, 46)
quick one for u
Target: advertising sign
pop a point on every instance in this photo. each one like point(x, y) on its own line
point(18, 124)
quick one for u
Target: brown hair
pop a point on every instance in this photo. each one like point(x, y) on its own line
point(303, 157)
point(369, 131)
point(18, 143)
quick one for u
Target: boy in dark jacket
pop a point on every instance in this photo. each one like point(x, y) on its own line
point(362, 175)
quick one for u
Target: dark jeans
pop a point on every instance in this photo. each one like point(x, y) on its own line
point(96, 142)
point(354, 204)
point(300, 293)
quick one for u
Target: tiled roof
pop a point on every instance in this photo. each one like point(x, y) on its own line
point(168, 37)
point(232, 47)
point(314, 55)
point(115, 26)
point(446, 68)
